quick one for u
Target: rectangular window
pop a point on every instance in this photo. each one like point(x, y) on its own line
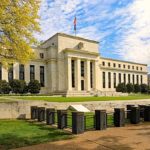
point(119, 65)
point(129, 78)
point(73, 72)
point(21, 72)
point(141, 79)
point(119, 77)
point(128, 66)
point(114, 65)
point(133, 79)
point(32, 72)
point(104, 80)
point(0, 71)
point(137, 79)
point(109, 64)
point(124, 76)
point(82, 68)
point(10, 72)
point(109, 80)
point(124, 66)
point(42, 77)
point(91, 74)
point(114, 80)
point(103, 63)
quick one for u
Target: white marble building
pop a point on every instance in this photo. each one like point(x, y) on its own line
point(70, 66)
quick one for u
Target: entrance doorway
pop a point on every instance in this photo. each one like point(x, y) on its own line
point(82, 85)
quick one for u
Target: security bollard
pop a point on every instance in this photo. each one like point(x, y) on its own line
point(119, 117)
point(62, 119)
point(135, 115)
point(50, 116)
point(34, 112)
point(100, 120)
point(141, 107)
point(41, 114)
point(129, 110)
point(147, 113)
point(77, 122)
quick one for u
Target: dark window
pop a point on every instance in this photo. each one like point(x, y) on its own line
point(119, 77)
point(114, 80)
point(133, 79)
point(109, 64)
point(42, 78)
point(91, 74)
point(137, 79)
point(82, 68)
point(124, 66)
point(114, 65)
point(32, 72)
point(42, 55)
point(124, 76)
point(119, 65)
point(141, 79)
point(73, 72)
point(133, 67)
point(141, 68)
point(0, 71)
point(109, 80)
point(137, 68)
point(103, 63)
point(129, 78)
point(128, 66)
point(21, 72)
point(104, 80)
point(10, 72)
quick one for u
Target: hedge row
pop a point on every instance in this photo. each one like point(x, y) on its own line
point(130, 88)
point(19, 87)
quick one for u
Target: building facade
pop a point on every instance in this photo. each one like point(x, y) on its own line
point(70, 65)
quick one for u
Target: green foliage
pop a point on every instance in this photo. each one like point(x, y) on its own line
point(34, 87)
point(4, 87)
point(144, 88)
point(18, 86)
point(121, 88)
point(137, 88)
point(130, 88)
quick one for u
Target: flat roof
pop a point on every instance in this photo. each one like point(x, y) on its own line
point(71, 36)
point(123, 61)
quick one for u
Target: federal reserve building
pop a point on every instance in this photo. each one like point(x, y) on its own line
point(72, 66)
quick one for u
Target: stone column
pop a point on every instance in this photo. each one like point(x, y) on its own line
point(69, 73)
point(78, 75)
point(88, 75)
point(96, 75)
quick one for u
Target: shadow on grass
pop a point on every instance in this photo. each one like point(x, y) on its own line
point(45, 133)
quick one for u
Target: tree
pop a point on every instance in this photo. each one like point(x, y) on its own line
point(18, 21)
point(121, 88)
point(4, 87)
point(34, 86)
point(144, 88)
point(137, 88)
point(18, 86)
point(130, 88)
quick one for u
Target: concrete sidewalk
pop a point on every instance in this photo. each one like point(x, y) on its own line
point(133, 137)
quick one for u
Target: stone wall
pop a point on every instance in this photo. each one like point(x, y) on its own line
point(21, 109)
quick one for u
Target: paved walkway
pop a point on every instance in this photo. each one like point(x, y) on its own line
point(135, 137)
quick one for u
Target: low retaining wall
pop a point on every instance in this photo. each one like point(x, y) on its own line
point(21, 109)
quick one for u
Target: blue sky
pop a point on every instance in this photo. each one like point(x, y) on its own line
point(121, 26)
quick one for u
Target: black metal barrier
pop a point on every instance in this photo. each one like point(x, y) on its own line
point(100, 120)
point(50, 116)
point(147, 113)
point(61, 119)
point(77, 122)
point(135, 115)
point(129, 110)
point(119, 117)
point(34, 112)
point(41, 114)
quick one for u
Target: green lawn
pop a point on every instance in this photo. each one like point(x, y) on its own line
point(19, 133)
point(81, 99)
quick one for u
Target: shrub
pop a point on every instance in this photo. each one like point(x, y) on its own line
point(18, 86)
point(144, 88)
point(130, 88)
point(121, 88)
point(4, 87)
point(137, 88)
point(34, 87)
